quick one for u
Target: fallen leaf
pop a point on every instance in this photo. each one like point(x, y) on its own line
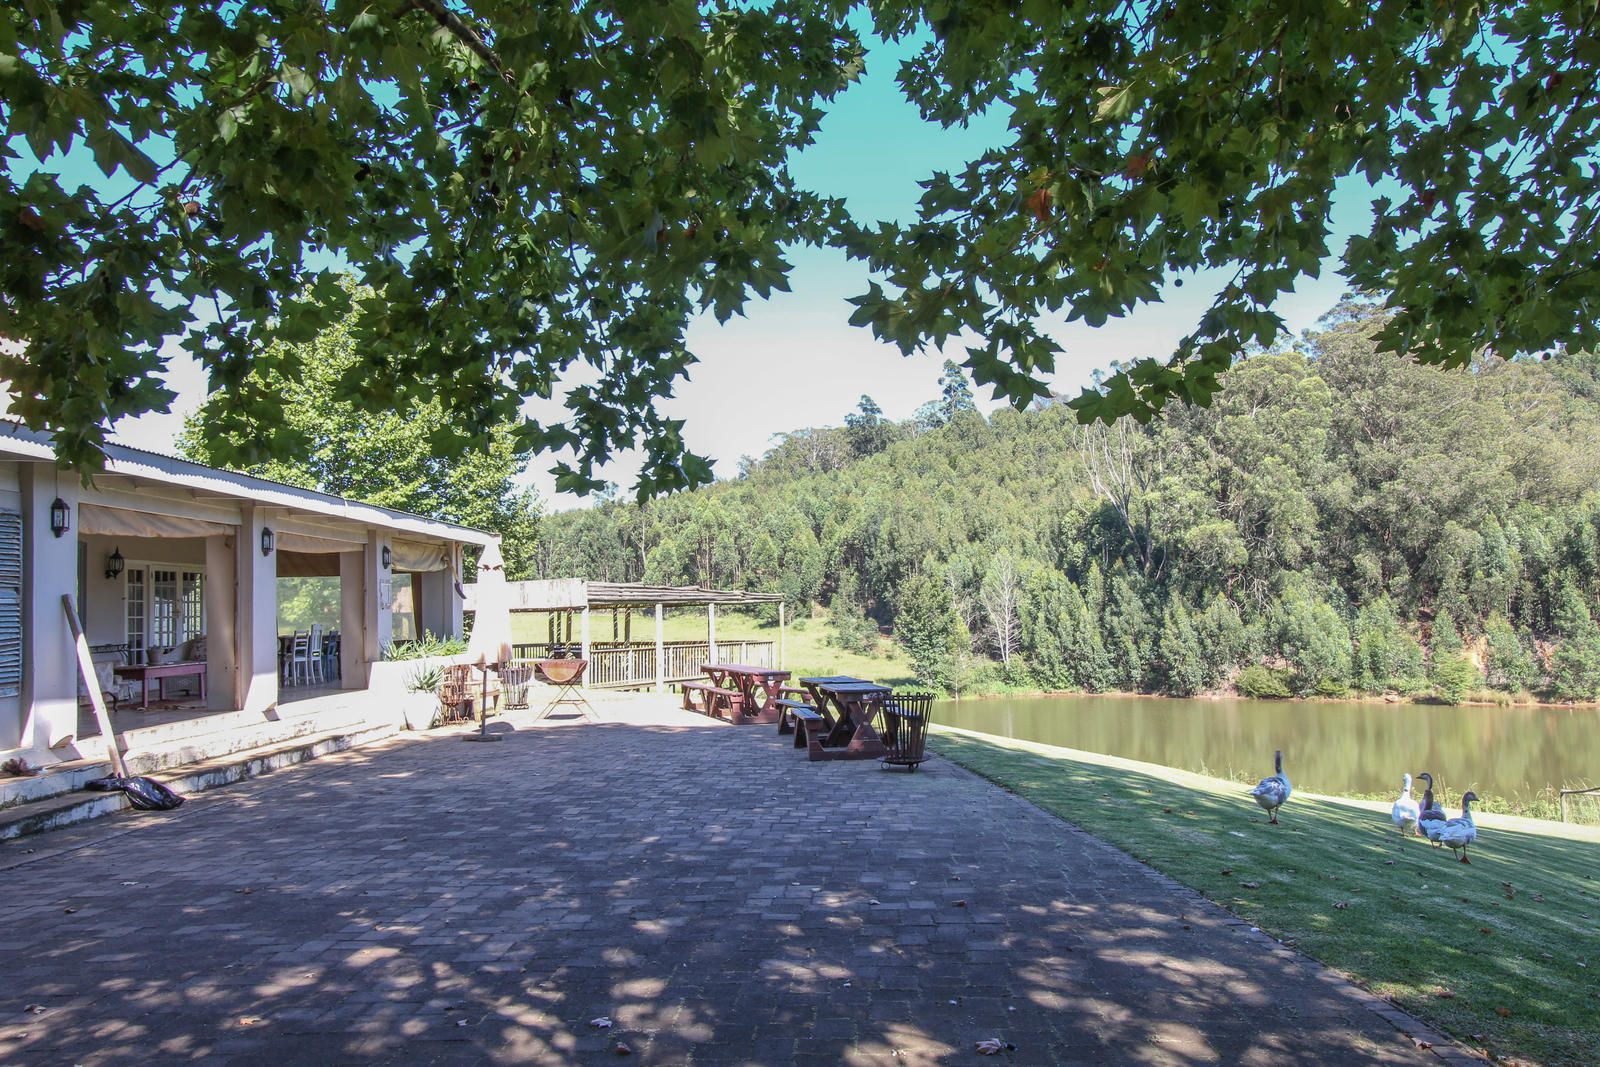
point(1251, 885)
point(1166, 811)
point(1388, 863)
point(958, 903)
point(622, 1049)
point(1227, 871)
point(1340, 905)
point(1421, 1044)
point(250, 1020)
point(35, 1009)
point(68, 911)
point(1504, 1013)
point(601, 1023)
point(1444, 994)
point(993, 1046)
point(1539, 897)
point(1485, 931)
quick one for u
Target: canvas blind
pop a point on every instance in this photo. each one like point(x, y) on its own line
point(10, 603)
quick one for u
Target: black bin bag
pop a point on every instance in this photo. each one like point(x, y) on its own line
point(146, 794)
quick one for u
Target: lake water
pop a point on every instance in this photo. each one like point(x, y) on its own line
point(1340, 748)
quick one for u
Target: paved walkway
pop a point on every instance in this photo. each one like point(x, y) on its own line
point(717, 897)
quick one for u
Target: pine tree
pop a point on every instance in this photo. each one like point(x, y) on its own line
point(1182, 660)
point(930, 631)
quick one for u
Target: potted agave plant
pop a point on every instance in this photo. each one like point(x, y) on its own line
point(421, 705)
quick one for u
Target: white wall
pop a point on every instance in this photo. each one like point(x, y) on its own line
point(104, 599)
point(49, 657)
point(258, 613)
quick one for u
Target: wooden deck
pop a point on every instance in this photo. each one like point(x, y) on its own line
point(621, 665)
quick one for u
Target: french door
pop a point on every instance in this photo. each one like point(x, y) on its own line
point(165, 606)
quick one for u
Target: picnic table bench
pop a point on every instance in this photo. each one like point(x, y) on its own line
point(847, 707)
point(712, 700)
point(757, 687)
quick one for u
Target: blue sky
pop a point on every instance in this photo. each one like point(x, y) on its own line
point(792, 361)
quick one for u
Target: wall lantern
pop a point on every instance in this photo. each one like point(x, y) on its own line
point(60, 517)
point(266, 540)
point(115, 563)
point(388, 557)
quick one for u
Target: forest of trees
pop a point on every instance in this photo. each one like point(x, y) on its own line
point(1339, 522)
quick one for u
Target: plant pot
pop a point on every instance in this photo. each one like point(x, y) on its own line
point(418, 710)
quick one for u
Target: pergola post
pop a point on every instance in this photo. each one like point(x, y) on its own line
point(661, 651)
point(711, 633)
point(781, 650)
point(584, 635)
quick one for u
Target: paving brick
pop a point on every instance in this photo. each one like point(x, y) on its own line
point(651, 874)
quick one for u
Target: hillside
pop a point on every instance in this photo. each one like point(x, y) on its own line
point(1338, 521)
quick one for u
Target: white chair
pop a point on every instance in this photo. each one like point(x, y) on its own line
point(314, 653)
point(300, 658)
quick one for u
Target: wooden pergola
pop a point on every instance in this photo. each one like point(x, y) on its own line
point(623, 662)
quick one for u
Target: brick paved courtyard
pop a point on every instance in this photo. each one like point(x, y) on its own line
point(717, 897)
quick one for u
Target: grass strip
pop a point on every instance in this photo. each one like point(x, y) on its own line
point(1503, 953)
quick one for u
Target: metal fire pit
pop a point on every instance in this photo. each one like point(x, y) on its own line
point(561, 671)
point(905, 729)
point(566, 675)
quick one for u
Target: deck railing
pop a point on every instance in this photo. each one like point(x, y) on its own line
point(619, 665)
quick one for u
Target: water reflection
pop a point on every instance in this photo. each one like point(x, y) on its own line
point(1328, 748)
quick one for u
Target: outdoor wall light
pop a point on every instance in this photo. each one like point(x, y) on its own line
point(115, 563)
point(60, 517)
point(388, 557)
point(266, 540)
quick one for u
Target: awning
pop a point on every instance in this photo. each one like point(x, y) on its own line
point(420, 556)
point(99, 520)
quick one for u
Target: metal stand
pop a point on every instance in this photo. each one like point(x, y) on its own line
point(483, 733)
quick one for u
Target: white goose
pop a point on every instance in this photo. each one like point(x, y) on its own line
point(1272, 792)
point(1406, 810)
point(1460, 832)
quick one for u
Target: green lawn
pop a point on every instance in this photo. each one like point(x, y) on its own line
point(1504, 953)
point(806, 649)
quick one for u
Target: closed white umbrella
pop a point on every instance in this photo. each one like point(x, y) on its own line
point(490, 643)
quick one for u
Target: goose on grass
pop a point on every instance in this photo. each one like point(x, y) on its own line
point(1405, 810)
point(1460, 832)
point(1432, 816)
point(1272, 792)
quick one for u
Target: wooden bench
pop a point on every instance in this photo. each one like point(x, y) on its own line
point(808, 725)
point(711, 698)
point(789, 700)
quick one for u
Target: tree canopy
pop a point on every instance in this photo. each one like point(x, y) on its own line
point(542, 195)
point(383, 458)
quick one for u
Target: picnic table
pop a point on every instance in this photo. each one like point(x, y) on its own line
point(848, 707)
point(746, 693)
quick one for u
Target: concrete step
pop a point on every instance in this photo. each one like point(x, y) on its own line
point(65, 809)
point(145, 753)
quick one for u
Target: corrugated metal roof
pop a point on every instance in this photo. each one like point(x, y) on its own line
point(19, 442)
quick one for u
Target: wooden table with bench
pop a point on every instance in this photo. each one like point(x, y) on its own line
point(836, 722)
point(737, 692)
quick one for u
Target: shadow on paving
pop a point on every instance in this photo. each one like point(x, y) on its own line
point(718, 897)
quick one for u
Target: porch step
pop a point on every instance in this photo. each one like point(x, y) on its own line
point(151, 750)
point(66, 809)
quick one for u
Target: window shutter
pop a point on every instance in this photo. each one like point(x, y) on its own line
point(10, 603)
